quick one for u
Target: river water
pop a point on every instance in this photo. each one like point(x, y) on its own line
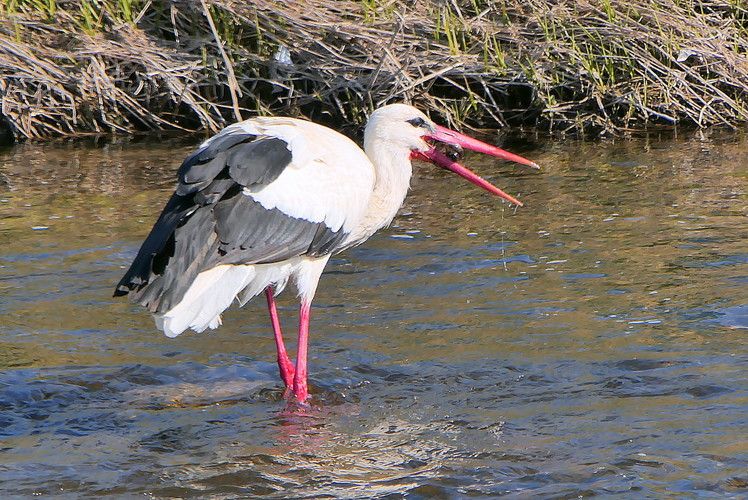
point(590, 344)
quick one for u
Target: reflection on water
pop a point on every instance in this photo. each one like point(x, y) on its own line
point(590, 343)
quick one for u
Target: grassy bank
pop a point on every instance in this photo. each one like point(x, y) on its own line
point(100, 66)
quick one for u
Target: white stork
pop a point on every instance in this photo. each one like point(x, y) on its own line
point(271, 199)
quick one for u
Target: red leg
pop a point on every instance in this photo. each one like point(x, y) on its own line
point(300, 377)
point(284, 363)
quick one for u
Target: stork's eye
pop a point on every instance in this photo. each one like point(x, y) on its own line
point(417, 122)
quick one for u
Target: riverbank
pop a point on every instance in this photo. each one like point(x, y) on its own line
point(128, 66)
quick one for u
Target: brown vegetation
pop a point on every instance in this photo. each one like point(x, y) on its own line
point(71, 67)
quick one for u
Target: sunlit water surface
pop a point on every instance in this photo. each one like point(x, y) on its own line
point(589, 344)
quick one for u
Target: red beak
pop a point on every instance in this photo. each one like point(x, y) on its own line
point(448, 136)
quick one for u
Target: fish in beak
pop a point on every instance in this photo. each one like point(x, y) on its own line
point(437, 157)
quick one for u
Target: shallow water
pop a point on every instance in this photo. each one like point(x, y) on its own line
point(588, 344)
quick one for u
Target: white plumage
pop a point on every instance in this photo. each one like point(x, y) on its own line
point(316, 186)
point(214, 291)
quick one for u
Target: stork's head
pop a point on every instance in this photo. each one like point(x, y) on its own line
point(404, 127)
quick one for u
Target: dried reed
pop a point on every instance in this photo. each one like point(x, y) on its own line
point(107, 66)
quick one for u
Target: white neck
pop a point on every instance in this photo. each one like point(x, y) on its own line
point(393, 170)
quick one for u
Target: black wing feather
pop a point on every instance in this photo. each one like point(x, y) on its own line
point(259, 162)
point(209, 221)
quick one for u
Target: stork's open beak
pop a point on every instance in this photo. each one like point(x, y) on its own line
point(448, 136)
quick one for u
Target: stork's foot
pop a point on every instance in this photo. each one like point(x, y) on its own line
point(300, 384)
point(290, 396)
point(302, 396)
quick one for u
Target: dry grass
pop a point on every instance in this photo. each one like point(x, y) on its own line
point(84, 66)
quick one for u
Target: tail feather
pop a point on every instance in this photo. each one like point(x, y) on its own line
point(211, 293)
